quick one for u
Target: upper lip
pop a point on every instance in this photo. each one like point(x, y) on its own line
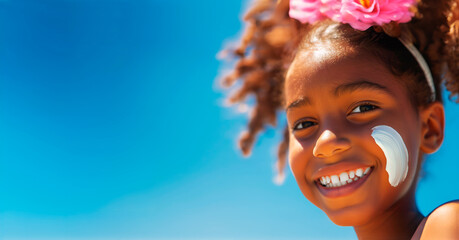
point(338, 168)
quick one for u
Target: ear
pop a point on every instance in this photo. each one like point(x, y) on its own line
point(433, 127)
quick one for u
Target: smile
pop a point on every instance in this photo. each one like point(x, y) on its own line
point(343, 178)
point(338, 185)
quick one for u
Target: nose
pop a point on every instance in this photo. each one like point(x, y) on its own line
point(328, 144)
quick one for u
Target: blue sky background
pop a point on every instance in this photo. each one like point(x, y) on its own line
point(111, 127)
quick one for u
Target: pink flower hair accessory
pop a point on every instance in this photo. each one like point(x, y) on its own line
point(360, 14)
point(306, 11)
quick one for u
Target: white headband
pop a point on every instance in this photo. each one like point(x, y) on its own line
point(405, 40)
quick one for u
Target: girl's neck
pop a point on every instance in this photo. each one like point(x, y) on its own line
point(399, 222)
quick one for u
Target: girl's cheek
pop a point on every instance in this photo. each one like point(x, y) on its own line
point(395, 151)
point(299, 157)
point(295, 153)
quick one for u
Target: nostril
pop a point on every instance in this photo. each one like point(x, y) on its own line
point(320, 155)
point(333, 152)
point(337, 150)
point(329, 150)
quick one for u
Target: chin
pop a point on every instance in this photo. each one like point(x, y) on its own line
point(352, 216)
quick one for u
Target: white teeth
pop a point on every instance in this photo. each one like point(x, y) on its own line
point(351, 174)
point(366, 170)
point(343, 177)
point(322, 180)
point(334, 179)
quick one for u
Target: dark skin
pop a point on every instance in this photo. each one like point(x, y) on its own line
point(335, 95)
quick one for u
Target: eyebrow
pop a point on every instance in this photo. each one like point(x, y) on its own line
point(341, 89)
point(299, 103)
point(358, 85)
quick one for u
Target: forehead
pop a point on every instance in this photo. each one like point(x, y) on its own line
point(322, 68)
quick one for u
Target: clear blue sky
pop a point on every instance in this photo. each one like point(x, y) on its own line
point(111, 127)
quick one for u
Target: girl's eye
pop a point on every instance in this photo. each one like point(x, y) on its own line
point(364, 108)
point(304, 125)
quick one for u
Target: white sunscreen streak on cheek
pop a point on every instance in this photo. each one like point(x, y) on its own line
point(391, 143)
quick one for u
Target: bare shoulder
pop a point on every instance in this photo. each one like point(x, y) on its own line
point(443, 222)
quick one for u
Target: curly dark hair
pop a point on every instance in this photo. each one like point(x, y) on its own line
point(271, 39)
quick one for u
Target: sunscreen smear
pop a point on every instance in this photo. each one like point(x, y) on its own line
point(391, 143)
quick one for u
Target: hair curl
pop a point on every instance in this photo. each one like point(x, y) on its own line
point(271, 38)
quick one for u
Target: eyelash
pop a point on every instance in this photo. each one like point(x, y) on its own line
point(299, 126)
point(372, 106)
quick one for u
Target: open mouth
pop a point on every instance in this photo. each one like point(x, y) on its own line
point(343, 183)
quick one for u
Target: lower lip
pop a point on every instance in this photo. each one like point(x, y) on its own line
point(334, 192)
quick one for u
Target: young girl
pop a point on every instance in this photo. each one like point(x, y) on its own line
point(360, 83)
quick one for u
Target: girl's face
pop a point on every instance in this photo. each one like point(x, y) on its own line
point(335, 95)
